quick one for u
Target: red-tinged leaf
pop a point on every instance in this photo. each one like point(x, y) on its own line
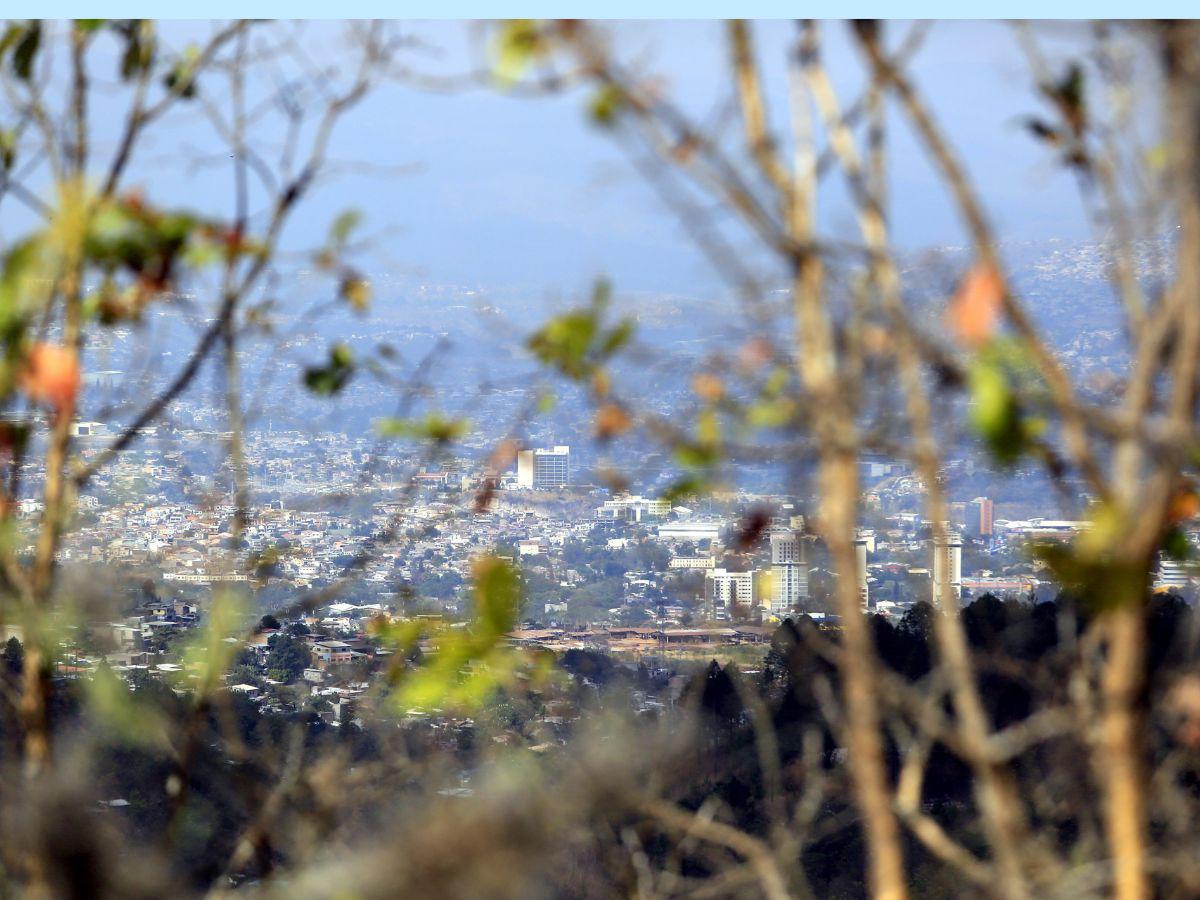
point(974, 310)
point(611, 421)
point(755, 353)
point(1184, 506)
point(708, 387)
point(51, 376)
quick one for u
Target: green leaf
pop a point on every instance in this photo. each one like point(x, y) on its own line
point(697, 455)
point(26, 50)
point(606, 104)
point(209, 653)
point(1099, 580)
point(601, 293)
point(777, 381)
point(497, 596)
point(332, 377)
point(1176, 545)
point(617, 337)
point(683, 488)
point(995, 413)
point(25, 270)
point(115, 708)
point(178, 82)
point(466, 666)
point(181, 79)
point(11, 35)
point(773, 413)
point(8, 149)
point(564, 341)
point(708, 428)
point(575, 343)
point(200, 253)
point(139, 47)
point(356, 292)
point(343, 226)
point(518, 44)
point(433, 427)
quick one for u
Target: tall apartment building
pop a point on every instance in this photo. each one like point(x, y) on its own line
point(983, 517)
point(860, 572)
point(544, 470)
point(723, 590)
point(789, 570)
point(947, 568)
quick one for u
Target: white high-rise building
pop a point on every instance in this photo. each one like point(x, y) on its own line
point(860, 572)
point(789, 570)
point(947, 568)
point(723, 590)
point(544, 470)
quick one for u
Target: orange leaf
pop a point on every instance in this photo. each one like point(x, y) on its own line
point(1184, 505)
point(51, 376)
point(876, 339)
point(684, 151)
point(611, 421)
point(974, 310)
point(503, 455)
point(708, 387)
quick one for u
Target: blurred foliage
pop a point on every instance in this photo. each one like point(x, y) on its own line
point(516, 46)
point(334, 375)
point(578, 343)
point(209, 653)
point(432, 427)
point(466, 665)
point(21, 43)
point(1001, 384)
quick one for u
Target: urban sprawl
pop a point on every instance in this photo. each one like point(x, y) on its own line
point(618, 573)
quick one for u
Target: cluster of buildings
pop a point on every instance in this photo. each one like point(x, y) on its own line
point(628, 571)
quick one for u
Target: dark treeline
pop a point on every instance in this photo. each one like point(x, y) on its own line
point(760, 744)
point(1024, 653)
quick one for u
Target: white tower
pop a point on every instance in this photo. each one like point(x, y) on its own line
point(860, 572)
point(947, 568)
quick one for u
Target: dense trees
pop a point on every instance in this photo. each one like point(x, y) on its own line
point(438, 586)
point(1019, 646)
point(287, 657)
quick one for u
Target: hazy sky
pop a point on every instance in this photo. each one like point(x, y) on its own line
point(528, 190)
point(517, 191)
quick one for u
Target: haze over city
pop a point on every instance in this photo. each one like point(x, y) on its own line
point(556, 458)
